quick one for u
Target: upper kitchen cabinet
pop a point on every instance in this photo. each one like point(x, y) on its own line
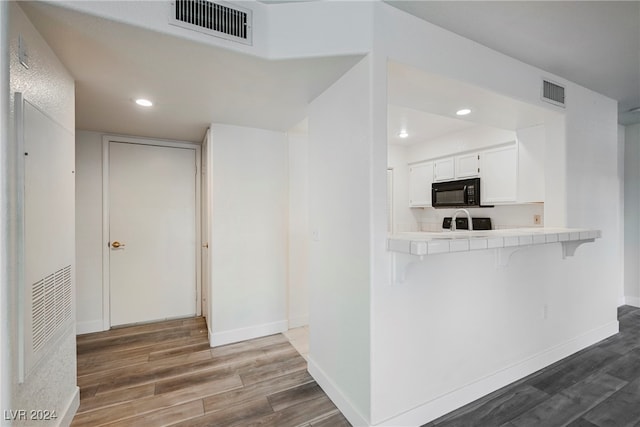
point(467, 165)
point(420, 180)
point(510, 161)
point(456, 167)
point(499, 175)
point(444, 169)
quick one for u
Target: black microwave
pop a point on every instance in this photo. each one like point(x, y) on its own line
point(456, 194)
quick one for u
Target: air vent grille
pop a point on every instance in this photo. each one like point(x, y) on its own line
point(553, 93)
point(214, 18)
point(51, 306)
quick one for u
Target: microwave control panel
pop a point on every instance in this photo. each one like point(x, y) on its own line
point(471, 194)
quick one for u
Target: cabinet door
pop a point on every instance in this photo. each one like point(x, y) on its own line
point(499, 175)
point(531, 148)
point(467, 165)
point(420, 180)
point(443, 169)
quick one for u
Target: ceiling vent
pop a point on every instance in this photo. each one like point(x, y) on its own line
point(214, 18)
point(552, 93)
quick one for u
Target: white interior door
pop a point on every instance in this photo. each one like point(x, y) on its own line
point(152, 232)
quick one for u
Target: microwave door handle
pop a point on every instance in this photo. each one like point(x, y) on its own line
point(466, 195)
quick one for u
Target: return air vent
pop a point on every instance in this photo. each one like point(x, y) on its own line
point(51, 306)
point(552, 93)
point(49, 317)
point(213, 18)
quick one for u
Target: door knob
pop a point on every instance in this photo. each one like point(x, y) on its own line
point(117, 245)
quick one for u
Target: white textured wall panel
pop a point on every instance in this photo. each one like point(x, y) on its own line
point(48, 86)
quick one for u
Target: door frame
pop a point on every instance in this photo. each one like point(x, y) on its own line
point(205, 232)
point(106, 286)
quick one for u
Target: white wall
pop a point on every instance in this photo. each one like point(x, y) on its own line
point(354, 318)
point(47, 85)
point(339, 257)
point(298, 280)
point(631, 138)
point(504, 216)
point(475, 138)
point(582, 291)
point(593, 173)
point(89, 232)
point(248, 241)
point(299, 29)
point(89, 228)
point(280, 31)
point(153, 15)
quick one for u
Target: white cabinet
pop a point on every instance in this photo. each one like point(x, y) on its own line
point(458, 167)
point(420, 180)
point(531, 148)
point(444, 169)
point(510, 172)
point(499, 175)
point(467, 165)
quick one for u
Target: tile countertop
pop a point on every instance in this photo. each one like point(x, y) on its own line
point(430, 243)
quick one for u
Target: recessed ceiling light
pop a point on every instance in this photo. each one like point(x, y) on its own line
point(463, 112)
point(144, 102)
point(403, 134)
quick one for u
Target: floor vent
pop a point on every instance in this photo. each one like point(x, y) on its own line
point(553, 93)
point(213, 18)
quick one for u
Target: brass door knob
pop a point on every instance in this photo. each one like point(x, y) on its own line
point(117, 245)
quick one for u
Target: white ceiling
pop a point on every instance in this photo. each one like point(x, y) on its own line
point(419, 125)
point(593, 43)
point(191, 84)
point(425, 106)
point(596, 44)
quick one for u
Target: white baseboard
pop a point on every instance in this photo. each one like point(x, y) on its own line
point(455, 399)
point(64, 419)
point(242, 334)
point(89, 327)
point(460, 397)
point(335, 394)
point(296, 322)
point(633, 301)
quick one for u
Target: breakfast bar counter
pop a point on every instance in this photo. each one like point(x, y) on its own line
point(431, 243)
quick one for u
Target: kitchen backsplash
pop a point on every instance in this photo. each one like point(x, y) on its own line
point(504, 216)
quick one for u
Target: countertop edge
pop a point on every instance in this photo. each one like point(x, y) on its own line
point(437, 243)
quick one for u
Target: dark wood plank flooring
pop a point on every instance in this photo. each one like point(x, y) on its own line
point(165, 374)
point(596, 387)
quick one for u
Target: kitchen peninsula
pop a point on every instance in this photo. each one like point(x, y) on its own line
point(505, 242)
point(430, 243)
point(478, 309)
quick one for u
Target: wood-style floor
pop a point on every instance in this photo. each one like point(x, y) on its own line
point(598, 386)
point(165, 374)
